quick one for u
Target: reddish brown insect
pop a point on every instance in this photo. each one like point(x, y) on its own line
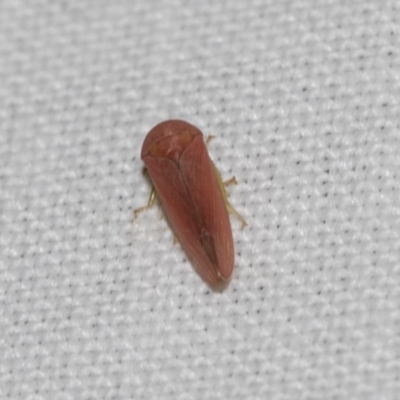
point(193, 197)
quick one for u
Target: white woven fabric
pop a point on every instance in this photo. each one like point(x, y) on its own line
point(303, 98)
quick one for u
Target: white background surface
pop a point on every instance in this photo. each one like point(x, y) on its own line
point(303, 98)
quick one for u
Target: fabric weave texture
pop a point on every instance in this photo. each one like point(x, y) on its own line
point(303, 99)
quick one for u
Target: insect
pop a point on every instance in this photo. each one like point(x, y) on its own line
point(192, 196)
